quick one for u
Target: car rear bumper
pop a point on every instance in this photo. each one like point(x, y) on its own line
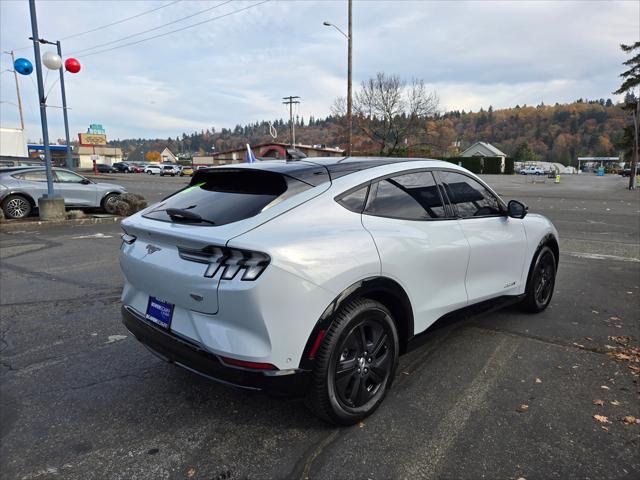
point(191, 356)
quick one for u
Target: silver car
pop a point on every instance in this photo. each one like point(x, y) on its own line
point(21, 187)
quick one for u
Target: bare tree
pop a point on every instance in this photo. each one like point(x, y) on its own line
point(389, 112)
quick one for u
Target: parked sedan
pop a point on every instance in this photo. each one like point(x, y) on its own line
point(312, 277)
point(104, 168)
point(20, 189)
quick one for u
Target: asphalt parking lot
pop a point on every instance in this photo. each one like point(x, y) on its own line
point(81, 399)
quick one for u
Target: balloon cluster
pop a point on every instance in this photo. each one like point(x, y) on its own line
point(51, 60)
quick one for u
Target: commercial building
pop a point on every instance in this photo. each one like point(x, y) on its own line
point(267, 151)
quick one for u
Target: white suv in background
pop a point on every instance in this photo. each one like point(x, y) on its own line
point(152, 169)
point(311, 277)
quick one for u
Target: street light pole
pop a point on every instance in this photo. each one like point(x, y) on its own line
point(43, 106)
point(15, 75)
point(349, 38)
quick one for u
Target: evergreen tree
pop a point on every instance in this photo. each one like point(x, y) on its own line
point(631, 80)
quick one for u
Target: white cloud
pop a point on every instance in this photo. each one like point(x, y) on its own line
point(237, 69)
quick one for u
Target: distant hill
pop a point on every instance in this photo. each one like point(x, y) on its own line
point(557, 133)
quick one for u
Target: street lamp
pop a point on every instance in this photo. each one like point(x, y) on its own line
point(349, 38)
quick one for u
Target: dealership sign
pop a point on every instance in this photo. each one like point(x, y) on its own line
point(92, 138)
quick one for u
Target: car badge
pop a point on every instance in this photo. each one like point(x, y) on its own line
point(152, 249)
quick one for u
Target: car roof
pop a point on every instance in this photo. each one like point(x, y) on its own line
point(316, 170)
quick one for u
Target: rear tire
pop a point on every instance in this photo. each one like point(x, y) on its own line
point(541, 281)
point(355, 364)
point(16, 206)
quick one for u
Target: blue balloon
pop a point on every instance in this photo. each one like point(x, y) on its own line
point(23, 66)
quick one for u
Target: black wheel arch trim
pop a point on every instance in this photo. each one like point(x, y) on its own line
point(383, 289)
point(549, 240)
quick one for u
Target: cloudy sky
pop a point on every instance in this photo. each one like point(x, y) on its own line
point(236, 69)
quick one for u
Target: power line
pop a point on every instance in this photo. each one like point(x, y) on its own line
point(112, 24)
point(149, 30)
point(176, 30)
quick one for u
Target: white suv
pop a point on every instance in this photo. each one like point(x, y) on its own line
point(152, 169)
point(311, 277)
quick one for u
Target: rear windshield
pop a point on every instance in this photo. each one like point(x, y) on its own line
point(225, 196)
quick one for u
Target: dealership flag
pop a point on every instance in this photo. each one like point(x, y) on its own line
point(249, 156)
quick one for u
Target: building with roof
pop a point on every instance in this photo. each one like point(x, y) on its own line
point(270, 150)
point(485, 149)
point(167, 156)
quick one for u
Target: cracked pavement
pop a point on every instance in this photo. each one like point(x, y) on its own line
point(81, 399)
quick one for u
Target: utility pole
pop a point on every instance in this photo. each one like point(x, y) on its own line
point(349, 100)
point(15, 75)
point(64, 111)
point(43, 99)
point(291, 101)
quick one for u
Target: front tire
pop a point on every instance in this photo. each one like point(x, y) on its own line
point(108, 203)
point(541, 282)
point(355, 364)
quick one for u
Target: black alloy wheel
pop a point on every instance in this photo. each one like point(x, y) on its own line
point(542, 279)
point(355, 364)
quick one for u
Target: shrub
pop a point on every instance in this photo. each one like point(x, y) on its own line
point(75, 214)
point(128, 204)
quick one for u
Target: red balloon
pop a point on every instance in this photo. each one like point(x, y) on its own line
point(72, 65)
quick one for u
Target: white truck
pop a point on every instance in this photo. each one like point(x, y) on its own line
point(531, 170)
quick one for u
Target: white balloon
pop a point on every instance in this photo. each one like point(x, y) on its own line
point(52, 61)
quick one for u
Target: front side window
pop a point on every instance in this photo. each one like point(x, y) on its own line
point(68, 177)
point(412, 196)
point(470, 197)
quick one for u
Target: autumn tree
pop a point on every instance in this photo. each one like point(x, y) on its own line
point(524, 153)
point(153, 156)
point(631, 80)
point(390, 112)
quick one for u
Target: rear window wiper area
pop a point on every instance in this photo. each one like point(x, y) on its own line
point(184, 215)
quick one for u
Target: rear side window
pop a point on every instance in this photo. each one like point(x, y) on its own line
point(412, 196)
point(225, 196)
point(354, 201)
point(469, 196)
point(37, 176)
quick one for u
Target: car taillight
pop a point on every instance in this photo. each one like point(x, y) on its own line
point(128, 239)
point(230, 261)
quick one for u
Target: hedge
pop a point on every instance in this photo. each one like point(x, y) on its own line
point(492, 165)
point(509, 167)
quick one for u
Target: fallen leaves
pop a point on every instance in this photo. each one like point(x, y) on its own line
point(191, 472)
point(630, 420)
point(522, 408)
point(604, 387)
point(615, 403)
point(538, 380)
point(361, 424)
point(599, 402)
point(601, 419)
point(623, 340)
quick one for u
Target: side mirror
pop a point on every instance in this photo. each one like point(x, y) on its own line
point(85, 181)
point(516, 209)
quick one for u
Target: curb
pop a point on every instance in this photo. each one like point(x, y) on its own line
point(12, 226)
